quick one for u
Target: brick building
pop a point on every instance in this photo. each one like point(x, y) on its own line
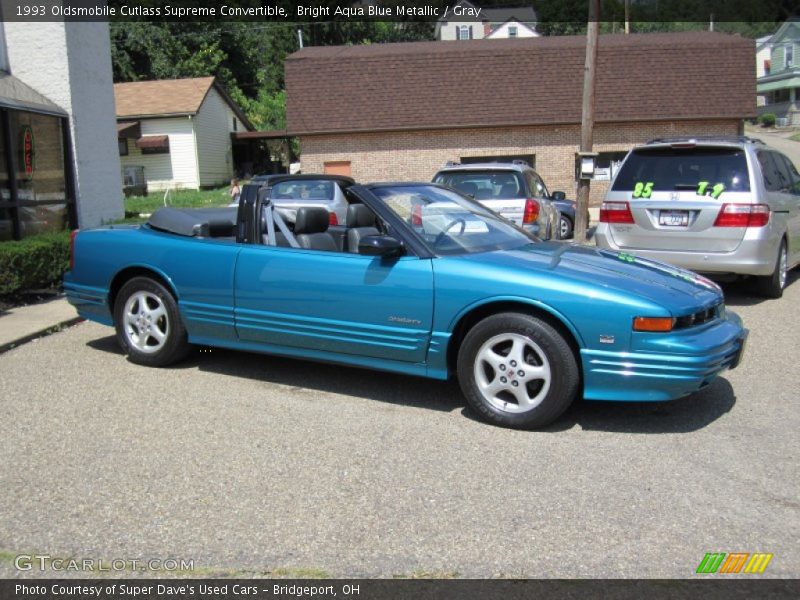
point(400, 111)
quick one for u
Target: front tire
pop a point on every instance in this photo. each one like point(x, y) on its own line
point(772, 286)
point(148, 324)
point(518, 371)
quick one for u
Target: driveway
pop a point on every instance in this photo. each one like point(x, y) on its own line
point(249, 464)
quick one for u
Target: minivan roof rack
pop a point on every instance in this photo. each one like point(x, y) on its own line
point(739, 139)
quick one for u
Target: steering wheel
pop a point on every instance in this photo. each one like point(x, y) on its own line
point(443, 232)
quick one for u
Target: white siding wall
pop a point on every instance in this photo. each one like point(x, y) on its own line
point(70, 63)
point(523, 31)
point(213, 127)
point(175, 170)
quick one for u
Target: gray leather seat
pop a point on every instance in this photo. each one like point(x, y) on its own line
point(311, 229)
point(360, 223)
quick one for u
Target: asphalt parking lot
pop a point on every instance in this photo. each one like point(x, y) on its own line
point(251, 464)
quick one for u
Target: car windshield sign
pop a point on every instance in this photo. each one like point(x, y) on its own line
point(450, 224)
point(703, 170)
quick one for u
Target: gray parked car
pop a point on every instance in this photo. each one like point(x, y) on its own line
point(512, 189)
point(719, 206)
point(304, 191)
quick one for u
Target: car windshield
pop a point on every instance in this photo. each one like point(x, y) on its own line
point(671, 169)
point(485, 185)
point(306, 189)
point(450, 224)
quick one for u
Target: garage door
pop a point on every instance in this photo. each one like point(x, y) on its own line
point(338, 167)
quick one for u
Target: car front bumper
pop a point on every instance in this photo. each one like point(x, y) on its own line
point(646, 374)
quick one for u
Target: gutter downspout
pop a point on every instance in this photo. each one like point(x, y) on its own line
point(196, 154)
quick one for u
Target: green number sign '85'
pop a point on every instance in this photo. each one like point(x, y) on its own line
point(643, 190)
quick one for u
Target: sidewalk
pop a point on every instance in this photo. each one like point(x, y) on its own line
point(24, 323)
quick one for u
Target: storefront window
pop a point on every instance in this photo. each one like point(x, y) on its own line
point(36, 151)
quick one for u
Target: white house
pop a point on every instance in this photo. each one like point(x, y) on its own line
point(467, 21)
point(176, 133)
point(57, 108)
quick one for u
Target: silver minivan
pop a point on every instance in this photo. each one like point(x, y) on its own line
point(719, 206)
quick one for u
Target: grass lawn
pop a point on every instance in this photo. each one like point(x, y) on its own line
point(181, 199)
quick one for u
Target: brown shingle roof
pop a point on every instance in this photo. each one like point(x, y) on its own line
point(161, 97)
point(168, 97)
point(480, 83)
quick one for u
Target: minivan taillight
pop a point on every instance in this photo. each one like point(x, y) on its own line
point(72, 249)
point(531, 211)
point(333, 219)
point(615, 212)
point(742, 215)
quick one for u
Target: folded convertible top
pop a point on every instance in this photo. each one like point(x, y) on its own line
point(195, 222)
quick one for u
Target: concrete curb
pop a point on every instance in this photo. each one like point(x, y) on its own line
point(40, 334)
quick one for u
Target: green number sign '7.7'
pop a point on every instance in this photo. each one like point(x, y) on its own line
point(714, 192)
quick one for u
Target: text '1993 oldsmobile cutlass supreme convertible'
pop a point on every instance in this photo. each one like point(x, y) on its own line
point(419, 280)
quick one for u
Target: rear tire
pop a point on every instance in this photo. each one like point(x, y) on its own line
point(148, 324)
point(517, 371)
point(772, 286)
point(565, 228)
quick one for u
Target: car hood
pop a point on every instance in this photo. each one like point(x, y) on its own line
point(674, 288)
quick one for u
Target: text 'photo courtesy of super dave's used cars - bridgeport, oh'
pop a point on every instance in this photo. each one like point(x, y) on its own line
point(420, 280)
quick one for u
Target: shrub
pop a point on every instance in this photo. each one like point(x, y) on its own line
point(767, 120)
point(33, 263)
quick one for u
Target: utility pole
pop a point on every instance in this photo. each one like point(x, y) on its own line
point(627, 16)
point(587, 118)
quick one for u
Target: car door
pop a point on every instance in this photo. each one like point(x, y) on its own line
point(792, 206)
point(335, 302)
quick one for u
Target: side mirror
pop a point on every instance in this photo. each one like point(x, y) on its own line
point(558, 196)
point(380, 245)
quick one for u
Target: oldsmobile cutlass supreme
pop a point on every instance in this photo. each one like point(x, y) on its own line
point(419, 280)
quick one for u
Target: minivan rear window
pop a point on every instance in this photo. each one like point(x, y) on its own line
point(671, 169)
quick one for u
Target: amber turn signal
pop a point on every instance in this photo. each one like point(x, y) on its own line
point(653, 324)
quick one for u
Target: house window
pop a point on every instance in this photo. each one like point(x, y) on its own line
point(789, 55)
point(780, 96)
point(123, 146)
point(512, 32)
point(235, 125)
point(465, 32)
point(156, 150)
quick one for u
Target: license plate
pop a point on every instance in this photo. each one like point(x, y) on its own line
point(673, 218)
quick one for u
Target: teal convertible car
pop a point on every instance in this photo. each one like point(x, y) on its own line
point(419, 280)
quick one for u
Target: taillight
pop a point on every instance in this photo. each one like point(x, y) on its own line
point(531, 211)
point(742, 215)
point(72, 249)
point(332, 219)
point(416, 215)
point(616, 212)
